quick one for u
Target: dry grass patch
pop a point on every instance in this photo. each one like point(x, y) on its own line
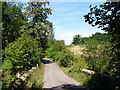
point(77, 50)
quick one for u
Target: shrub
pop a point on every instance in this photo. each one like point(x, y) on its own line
point(7, 77)
point(66, 59)
point(98, 58)
point(20, 55)
point(60, 54)
point(24, 52)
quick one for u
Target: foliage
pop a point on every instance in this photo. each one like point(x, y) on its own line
point(21, 54)
point(77, 40)
point(65, 58)
point(26, 32)
point(24, 49)
point(58, 45)
point(96, 52)
point(96, 39)
point(38, 25)
point(54, 46)
point(98, 58)
point(60, 54)
point(7, 78)
point(107, 17)
point(6, 70)
point(12, 18)
point(101, 65)
point(79, 62)
point(35, 80)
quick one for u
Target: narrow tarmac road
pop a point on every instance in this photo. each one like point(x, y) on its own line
point(55, 79)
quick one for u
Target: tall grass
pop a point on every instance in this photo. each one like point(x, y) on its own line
point(77, 75)
point(74, 71)
point(92, 82)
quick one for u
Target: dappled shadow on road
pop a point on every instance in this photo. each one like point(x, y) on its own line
point(66, 87)
point(46, 61)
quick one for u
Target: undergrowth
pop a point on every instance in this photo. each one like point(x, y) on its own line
point(35, 80)
point(92, 82)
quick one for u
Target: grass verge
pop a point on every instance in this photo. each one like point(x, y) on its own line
point(93, 82)
point(78, 76)
point(35, 80)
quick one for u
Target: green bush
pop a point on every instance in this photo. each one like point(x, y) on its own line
point(66, 59)
point(7, 77)
point(60, 54)
point(50, 52)
point(23, 53)
point(35, 79)
point(20, 55)
point(98, 57)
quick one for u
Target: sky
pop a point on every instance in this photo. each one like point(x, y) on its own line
point(68, 20)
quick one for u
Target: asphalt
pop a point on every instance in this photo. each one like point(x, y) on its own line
point(56, 79)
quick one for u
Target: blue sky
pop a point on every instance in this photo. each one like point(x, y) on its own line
point(68, 20)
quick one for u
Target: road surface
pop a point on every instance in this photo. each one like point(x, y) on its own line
point(55, 79)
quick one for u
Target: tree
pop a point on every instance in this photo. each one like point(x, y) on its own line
point(26, 32)
point(38, 25)
point(12, 18)
point(77, 40)
point(107, 17)
point(20, 55)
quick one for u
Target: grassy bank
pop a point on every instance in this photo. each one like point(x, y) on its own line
point(78, 76)
point(74, 71)
point(92, 82)
point(35, 80)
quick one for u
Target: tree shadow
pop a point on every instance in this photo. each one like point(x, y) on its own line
point(99, 82)
point(46, 61)
point(66, 87)
point(61, 87)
